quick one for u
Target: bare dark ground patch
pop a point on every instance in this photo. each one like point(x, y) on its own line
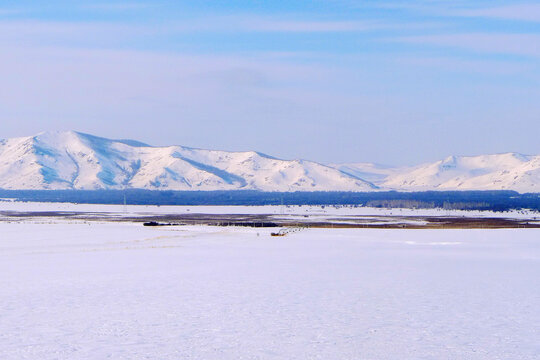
point(270, 220)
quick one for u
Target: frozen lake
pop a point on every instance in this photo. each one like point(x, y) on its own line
point(124, 291)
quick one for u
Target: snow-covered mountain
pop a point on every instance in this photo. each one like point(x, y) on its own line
point(72, 160)
point(510, 171)
point(374, 173)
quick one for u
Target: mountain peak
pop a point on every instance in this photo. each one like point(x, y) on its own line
point(506, 171)
point(56, 134)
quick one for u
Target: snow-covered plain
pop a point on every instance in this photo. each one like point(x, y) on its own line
point(124, 291)
point(311, 210)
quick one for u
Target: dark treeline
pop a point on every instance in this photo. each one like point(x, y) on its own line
point(466, 200)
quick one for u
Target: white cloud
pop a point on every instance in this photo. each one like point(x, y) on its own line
point(238, 102)
point(274, 25)
point(9, 12)
point(258, 23)
point(459, 8)
point(111, 6)
point(510, 44)
point(28, 33)
point(524, 12)
point(208, 101)
point(459, 65)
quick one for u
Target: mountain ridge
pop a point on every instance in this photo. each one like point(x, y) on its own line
point(57, 160)
point(503, 171)
point(74, 160)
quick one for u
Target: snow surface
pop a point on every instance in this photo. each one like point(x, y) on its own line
point(72, 160)
point(310, 210)
point(509, 171)
point(124, 291)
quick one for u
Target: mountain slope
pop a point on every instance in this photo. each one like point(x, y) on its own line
point(373, 173)
point(510, 171)
point(72, 160)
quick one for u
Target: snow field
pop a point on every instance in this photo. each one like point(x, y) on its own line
point(123, 291)
point(311, 210)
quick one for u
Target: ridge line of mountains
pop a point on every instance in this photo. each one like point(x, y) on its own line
point(73, 160)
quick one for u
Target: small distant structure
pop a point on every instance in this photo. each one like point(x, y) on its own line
point(289, 230)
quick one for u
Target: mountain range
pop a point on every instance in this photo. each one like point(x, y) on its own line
point(73, 160)
point(508, 171)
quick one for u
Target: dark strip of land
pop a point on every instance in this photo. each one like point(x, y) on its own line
point(270, 220)
point(452, 200)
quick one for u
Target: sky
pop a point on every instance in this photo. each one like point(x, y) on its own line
point(390, 82)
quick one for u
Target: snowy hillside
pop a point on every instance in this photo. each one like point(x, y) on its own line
point(373, 173)
point(72, 160)
point(508, 171)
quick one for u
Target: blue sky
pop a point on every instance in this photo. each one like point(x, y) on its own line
point(393, 82)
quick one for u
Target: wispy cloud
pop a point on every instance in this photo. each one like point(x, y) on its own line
point(220, 75)
point(459, 65)
point(71, 34)
point(275, 25)
point(481, 9)
point(117, 6)
point(418, 6)
point(524, 12)
point(4, 12)
point(509, 44)
point(36, 31)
